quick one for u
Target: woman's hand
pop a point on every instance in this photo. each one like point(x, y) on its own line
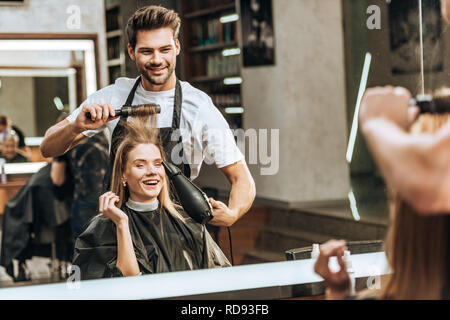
point(106, 204)
point(126, 258)
point(338, 283)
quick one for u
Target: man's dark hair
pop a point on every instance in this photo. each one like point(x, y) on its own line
point(150, 18)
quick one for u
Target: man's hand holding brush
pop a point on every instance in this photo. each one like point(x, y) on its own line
point(100, 114)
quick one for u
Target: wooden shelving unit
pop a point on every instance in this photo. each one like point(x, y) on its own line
point(213, 47)
point(211, 9)
point(114, 40)
point(205, 63)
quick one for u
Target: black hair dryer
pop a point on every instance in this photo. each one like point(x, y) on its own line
point(193, 200)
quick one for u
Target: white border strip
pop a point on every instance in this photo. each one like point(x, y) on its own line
point(24, 168)
point(186, 283)
point(362, 89)
point(87, 46)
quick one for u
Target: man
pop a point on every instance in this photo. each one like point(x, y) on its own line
point(154, 46)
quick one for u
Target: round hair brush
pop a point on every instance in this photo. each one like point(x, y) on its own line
point(140, 110)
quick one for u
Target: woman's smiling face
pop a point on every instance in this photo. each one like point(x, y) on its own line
point(144, 173)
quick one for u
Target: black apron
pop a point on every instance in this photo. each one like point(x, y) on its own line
point(164, 133)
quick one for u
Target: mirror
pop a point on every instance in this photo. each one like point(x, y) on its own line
point(52, 76)
point(394, 48)
point(46, 94)
point(40, 78)
point(390, 32)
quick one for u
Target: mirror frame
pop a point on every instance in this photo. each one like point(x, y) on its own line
point(85, 42)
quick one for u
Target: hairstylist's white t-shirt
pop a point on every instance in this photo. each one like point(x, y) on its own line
point(206, 136)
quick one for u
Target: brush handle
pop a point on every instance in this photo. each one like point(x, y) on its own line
point(425, 103)
point(118, 113)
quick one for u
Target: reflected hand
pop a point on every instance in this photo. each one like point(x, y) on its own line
point(338, 283)
point(99, 116)
point(388, 103)
point(445, 8)
point(107, 206)
point(222, 215)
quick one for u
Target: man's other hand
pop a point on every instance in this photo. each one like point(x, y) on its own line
point(222, 215)
point(388, 103)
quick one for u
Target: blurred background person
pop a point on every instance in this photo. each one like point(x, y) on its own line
point(10, 148)
point(5, 125)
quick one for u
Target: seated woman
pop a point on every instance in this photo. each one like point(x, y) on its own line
point(416, 248)
point(139, 229)
point(9, 148)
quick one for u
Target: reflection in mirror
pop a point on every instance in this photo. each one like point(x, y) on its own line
point(271, 228)
point(45, 93)
point(395, 48)
point(39, 80)
point(51, 75)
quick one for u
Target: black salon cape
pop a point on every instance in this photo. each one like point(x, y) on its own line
point(33, 208)
point(162, 243)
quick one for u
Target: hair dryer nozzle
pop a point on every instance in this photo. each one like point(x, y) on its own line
point(171, 169)
point(193, 200)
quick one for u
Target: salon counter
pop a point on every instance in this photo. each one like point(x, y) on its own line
point(17, 176)
point(276, 280)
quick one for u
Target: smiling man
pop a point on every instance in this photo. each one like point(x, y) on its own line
point(189, 121)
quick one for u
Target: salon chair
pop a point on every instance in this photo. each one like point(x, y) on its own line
point(45, 237)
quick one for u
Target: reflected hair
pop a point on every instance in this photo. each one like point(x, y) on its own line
point(11, 135)
point(140, 130)
point(416, 245)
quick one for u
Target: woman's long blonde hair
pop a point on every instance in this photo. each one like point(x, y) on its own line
point(139, 131)
point(416, 246)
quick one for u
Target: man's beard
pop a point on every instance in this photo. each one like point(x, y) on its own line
point(156, 80)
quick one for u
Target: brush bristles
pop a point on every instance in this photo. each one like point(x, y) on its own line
point(442, 100)
point(144, 110)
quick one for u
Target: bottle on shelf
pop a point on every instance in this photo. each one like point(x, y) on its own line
point(315, 251)
point(350, 271)
point(3, 178)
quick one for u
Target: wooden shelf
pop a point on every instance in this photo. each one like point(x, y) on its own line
point(114, 62)
point(229, 105)
point(202, 57)
point(213, 47)
point(201, 79)
point(114, 33)
point(209, 11)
